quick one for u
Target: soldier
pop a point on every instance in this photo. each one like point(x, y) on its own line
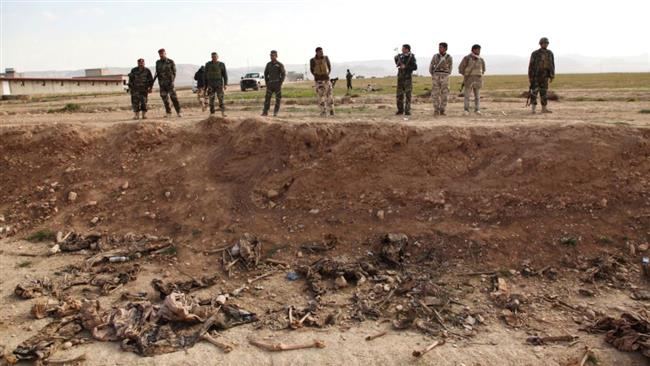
point(348, 78)
point(472, 68)
point(140, 84)
point(406, 64)
point(166, 73)
point(440, 69)
point(199, 76)
point(274, 75)
point(541, 71)
point(321, 67)
point(216, 80)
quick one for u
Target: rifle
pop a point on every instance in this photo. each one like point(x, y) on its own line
point(530, 94)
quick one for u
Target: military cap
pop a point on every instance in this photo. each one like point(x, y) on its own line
point(543, 40)
point(407, 46)
point(274, 52)
point(161, 50)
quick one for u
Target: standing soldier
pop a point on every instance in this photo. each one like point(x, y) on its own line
point(541, 71)
point(348, 78)
point(274, 75)
point(166, 73)
point(321, 67)
point(440, 69)
point(140, 84)
point(199, 76)
point(406, 64)
point(472, 68)
point(216, 80)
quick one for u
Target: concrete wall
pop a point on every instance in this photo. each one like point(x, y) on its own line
point(77, 86)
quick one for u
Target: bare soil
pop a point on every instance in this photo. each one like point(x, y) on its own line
point(496, 193)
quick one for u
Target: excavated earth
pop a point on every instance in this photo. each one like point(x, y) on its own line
point(470, 199)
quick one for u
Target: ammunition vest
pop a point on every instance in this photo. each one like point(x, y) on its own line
point(320, 66)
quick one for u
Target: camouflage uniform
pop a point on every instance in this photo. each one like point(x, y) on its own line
point(274, 75)
point(320, 68)
point(166, 71)
point(540, 69)
point(405, 81)
point(199, 76)
point(472, 68)
point(215, 78)
point(440, 69)
point(140, 81)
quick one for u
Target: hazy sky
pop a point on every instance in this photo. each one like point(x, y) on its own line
point(65, 35)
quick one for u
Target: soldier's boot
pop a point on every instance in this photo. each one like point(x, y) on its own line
point(399, 112)
point(265, 113)
point(136, 115)
point(168, 115)
point(331, 111)
point(223, 112)
point(179, 114)
point(144, 115)
point(465, 112)
point(436, 112)
point(533, 108)
point(442, 112)
point(546, 110)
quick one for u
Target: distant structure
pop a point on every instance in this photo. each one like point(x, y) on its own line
point(94, 81)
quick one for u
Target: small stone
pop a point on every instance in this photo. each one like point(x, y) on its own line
point(381, 215)
point(399, 308)
point(340, 282)
point(272, 193)
point(168, 194)
point(314, 211)
point(72, 196)
point(221, 299)
point(378, 288)
point(55, 249)
point(299, 254)
point(92, 203)
point(643, 247)
point(94, 220)
point(125, 186)
point(470, 320)
point(386, 287)
point(67, 345)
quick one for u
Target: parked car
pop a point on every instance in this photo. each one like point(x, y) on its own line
point(252, 80)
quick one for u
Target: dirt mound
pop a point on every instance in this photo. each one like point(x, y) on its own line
point(498, 195)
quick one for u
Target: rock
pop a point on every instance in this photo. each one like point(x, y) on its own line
point(381, 215)
point(643, 247)
point(470, 320)
point(168, 194)
point(386, 287)
point(340, 282)
point(399, 308)
point(378, 288)
point(2, 218)
point(314, 211)
point(67, 345)
point(92, 203)
point(94, 220)
point(221, 299)
point(72, 196)
point(55, 249)
point(125, 186)
point(272, 193)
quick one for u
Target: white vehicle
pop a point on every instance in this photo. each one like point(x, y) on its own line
point(252, 80)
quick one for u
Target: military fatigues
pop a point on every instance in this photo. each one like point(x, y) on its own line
point(166, 71)
point(348, 79)
point(440, 69)
point(541, 68)
point(215, 78)
point(320, 68)
point(472, 68)
point(405, 81)
point(199, 76)
point(140, 81)
point(274, 75)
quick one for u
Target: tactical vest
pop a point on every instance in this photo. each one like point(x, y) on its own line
point(320, 66)
point(213, 72)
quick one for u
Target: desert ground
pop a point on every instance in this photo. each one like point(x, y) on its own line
point(504, 238)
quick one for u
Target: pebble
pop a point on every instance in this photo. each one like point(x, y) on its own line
point(125, 186)
point(221, 299)
point(72, 196)
point(168, 194)
point(67, 345)
point(380, 215)
point(94, 220)
point(55, 249)
point(386, 287)
point(340, 282)
point(314, 211)
point(272, 193)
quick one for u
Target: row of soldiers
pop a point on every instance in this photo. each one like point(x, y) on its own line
point(212, 81)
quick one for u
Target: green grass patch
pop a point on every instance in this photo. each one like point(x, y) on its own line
point(605, 240)
point(569, 240)
point(42, 235)
point(24, 264)
point(171, 250)
point(68, 108)
point(645, 111)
